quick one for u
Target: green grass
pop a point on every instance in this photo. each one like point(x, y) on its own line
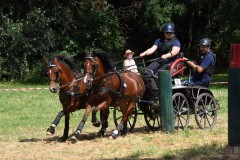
point(26, 115)
point(220, 78)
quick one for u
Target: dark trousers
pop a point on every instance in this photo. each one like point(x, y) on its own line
point(157, 65)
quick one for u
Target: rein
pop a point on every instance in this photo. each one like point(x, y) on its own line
point(98, 88)
point(105, 75)
point(57, 81)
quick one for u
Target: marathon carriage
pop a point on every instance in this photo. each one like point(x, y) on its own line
point(187, 100)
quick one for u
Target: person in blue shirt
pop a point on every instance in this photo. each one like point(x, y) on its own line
point(167, 48)
point(204, 66)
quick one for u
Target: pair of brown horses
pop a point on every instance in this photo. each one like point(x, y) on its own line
point(94, 91)
point(62, 73)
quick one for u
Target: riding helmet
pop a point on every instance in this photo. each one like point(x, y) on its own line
point(168, 27)
point(205, 42)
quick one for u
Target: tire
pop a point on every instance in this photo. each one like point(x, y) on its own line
point(205, 111)
point(181, 111)
point(117, 117)
point(153, 120)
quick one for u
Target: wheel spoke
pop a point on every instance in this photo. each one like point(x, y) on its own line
point(202, 104)
point(180, 124)
point(129, 122)
point(201, 113)
point(182, 117)
point(179, 101)
point(209, 123)
point(201, 117)
point(205, 111)
point(117, 115)
point(181, 110)
point(119, 118)
point(183, 103)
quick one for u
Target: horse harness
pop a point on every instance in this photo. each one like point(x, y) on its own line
point(99, 88)
point(56, 73)
point(57, 81)
point(119, 94)
point(93, 59)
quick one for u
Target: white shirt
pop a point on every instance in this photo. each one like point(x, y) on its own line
point(129, 64)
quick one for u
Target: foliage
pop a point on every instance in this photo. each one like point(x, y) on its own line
point(34, 30)
point(159, 12)
point(77, 28)
point(228, 32)
point(24, 43)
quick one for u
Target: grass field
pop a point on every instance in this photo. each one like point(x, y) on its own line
point(26, 115)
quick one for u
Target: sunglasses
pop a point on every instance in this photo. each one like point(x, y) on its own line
point(168, 32)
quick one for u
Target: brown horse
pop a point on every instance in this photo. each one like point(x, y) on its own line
point(62, 75)
point(118, 89)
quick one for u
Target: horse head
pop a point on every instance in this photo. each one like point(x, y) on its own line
point(53, 73)
point(90, 66)
point(59, 73)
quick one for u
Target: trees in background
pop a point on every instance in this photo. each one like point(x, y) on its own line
point(33, 30)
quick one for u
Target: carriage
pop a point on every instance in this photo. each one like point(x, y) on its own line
point(187, 100)
point(99, 90)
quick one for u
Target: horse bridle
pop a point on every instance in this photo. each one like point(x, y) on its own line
point(57, 80)
point(93, 59)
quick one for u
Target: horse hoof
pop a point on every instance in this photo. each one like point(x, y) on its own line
point(62, 139)
point(77, 134)
point(100, 133)
point(96, 124)
point(123, 134)
point(50, 130)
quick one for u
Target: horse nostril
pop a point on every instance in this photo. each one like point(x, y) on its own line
point(53, 90)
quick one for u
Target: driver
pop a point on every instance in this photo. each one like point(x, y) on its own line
point(167, 48)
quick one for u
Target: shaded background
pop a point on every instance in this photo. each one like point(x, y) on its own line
point(31, 31)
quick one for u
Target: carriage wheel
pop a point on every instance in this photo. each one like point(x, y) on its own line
point(181, 111)
point(205, 111)
point(153, 121)
point(117, 116)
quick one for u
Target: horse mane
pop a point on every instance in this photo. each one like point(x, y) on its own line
point(104, 57)
point(68, 61)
